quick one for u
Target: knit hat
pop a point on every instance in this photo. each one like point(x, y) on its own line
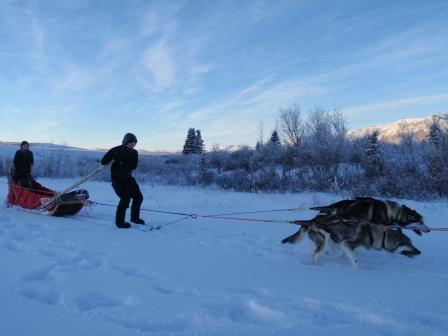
point(128, 138)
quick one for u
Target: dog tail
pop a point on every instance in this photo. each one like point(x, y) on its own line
point(296, 237)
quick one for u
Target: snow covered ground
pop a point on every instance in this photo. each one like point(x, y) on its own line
point(83, 276)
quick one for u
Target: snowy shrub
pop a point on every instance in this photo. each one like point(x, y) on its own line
point(316, 157)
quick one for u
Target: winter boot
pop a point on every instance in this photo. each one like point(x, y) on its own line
point(123, 225)
point(138, 221)
point(120, 216)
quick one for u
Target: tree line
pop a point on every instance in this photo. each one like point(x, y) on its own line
point(311, 153)
point(315, 154)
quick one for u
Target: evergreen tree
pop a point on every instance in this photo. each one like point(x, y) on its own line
point(205, 176)
point(374, 162)
point(199, 144)
point(436, 159)
point(434, 135)
point(275, 140)
point(190, 142)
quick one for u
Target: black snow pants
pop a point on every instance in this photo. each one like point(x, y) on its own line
point(127, 189)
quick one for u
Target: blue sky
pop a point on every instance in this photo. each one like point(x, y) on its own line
point(86, 72)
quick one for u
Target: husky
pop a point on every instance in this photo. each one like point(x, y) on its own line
point(351, 234)
point(361, 221)
point(374, 211)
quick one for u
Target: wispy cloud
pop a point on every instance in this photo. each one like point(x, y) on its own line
point(264, 9)
point(116, 46)
point(171, 106)
point(157, 19)
point(255, 87)
point(25, 32)
point(49, 122)
point(411, 43)
point(394, 104)
point(236, 116)
point(174, 57)
point(149, 25)
point(158, 61)
point(75, 78)
point(172, 63)
point(38, 35)
point(9, 116)
point(197, 70)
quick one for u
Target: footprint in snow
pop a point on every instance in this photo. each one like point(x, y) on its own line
point(46, 296)
point(136, 272)
point(18, 235)
point(41, 274)
point(170, 325)
point(48, 251)
point(13, 246)
point(94, 300)
point(143, 274)
point(247, 311)
point(162, 289)
point(80, 262)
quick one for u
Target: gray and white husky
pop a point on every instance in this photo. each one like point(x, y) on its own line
point(376, 211)
point(360, 222)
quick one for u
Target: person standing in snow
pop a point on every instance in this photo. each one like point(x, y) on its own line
point(125, 160)
point(23, 163)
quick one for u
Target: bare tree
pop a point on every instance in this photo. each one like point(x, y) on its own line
point(291, 125)
point(260, 132)
point(319, 126)
point(407, 139)
point(338, 123)
point(324, 145)
point(324, 124)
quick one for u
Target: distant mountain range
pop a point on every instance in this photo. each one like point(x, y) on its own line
point(39, 145)
point(391, 132)
point(50, 146)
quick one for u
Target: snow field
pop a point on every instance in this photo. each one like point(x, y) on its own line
point(83, 276)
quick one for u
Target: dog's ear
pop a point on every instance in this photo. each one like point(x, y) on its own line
point(405, 210)
point(413, 215)
point(418, 232)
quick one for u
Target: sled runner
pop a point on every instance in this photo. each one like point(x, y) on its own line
point(34, 197)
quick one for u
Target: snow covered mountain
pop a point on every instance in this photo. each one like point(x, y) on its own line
point(11, 147)
point(42, 146)
point(391, 132)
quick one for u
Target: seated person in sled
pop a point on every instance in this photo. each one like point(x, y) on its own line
point(23, 163)
point(26, 193)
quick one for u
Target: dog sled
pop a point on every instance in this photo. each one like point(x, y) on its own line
point(33, 198)
point(37, 198)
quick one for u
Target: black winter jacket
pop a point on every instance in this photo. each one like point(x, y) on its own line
point(125, 161)
point(23, 161)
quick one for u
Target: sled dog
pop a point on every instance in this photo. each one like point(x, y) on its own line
point(351, 234)
point(361, 222)
point(374, 211)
